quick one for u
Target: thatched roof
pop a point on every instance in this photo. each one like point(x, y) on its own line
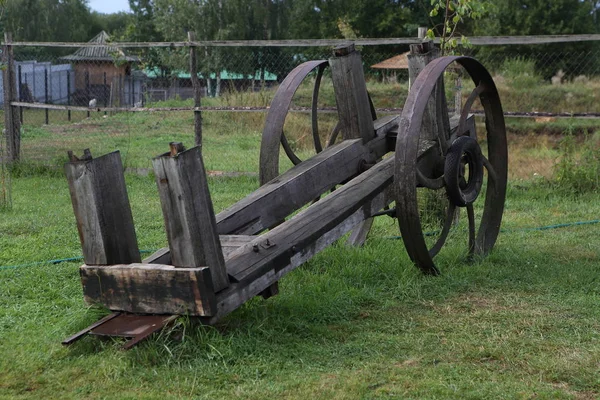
point(99, 53)
point(397, 62)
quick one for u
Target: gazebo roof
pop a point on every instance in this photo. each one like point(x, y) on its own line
point(397, 62)
point(100, 53)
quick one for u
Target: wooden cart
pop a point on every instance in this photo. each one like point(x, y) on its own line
point(215, 263)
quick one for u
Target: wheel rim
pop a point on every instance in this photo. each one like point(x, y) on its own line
point(482, 234)
point(273, 135)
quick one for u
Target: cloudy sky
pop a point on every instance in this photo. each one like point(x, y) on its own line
point(109, 6)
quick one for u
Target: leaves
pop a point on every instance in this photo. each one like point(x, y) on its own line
point(456, 12)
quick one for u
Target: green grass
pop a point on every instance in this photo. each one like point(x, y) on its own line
point(351, 323)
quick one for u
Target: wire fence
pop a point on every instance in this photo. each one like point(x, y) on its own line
point(109, 97)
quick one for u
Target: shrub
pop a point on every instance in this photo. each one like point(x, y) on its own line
point(520, 72)
point(579, 172)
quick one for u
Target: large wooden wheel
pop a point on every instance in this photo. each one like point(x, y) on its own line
point(453, 163)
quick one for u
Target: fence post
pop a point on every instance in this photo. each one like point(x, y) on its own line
point(69, 94)
point(46, 94)
point(12, 123)
point(87, 89)
point(197, 94)
point(105, 91)
point(20, 94)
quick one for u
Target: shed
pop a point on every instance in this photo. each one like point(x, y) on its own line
point(102, 72)
point(392, 65)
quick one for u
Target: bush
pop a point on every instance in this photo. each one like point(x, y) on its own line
point(520, 72)
point(579, 172)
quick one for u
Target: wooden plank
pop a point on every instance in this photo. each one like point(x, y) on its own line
point(301, 184)
point(351, 94)
point(238, 293)
point(102, 210)
point(189, 214)
point(275, 248)
point(150, 289)
point(229, 243)
point(475, 40)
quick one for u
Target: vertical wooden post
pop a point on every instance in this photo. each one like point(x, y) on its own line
point(20, 94)
point(197, 94)
point(351, 94)
point(354, 111)
point(102, 210)
point(69, 94)
point(188, 212)
point(435, 119)
point(87, 89)
point(12, 123)
point(46, 95)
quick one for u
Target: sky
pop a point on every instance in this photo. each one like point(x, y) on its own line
point(109, 6)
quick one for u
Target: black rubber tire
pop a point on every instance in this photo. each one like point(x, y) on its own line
point(462, 196)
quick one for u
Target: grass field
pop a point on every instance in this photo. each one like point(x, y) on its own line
point(351, 323)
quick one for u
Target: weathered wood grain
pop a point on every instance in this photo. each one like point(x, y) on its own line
point(189, 214)
point(238, 293)
point(229, 243)
point(102, 210)
point(276, 247)
point(150, 289)
point(351, 95)
point(301, 184)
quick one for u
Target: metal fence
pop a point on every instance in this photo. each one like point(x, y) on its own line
point(109, 95)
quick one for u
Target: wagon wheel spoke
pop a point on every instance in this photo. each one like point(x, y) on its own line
point(334, 134)
point(460, 131)
point(314, 110)
point(450, 216)
point(490, 169)
point(288, 150)
point(472, 228)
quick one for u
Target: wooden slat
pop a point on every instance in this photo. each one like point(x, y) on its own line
point(351, 95)
point(188, 214)
point(102, 210)
point(276, 247)
point(150, 289)
point(298, 186)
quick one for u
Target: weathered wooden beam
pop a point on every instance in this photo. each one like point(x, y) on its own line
point(150, 289)
point(188, 212)
point(102, 210)
point(303, 183)
point(351, 95)
point(276, 247)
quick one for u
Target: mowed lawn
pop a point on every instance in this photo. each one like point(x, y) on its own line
point(351, 323)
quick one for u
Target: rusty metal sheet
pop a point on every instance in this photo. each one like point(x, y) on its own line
point(132, 326)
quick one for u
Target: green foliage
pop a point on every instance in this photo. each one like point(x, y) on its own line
point(520, 73)
point(578, 170)
point(454, 13)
